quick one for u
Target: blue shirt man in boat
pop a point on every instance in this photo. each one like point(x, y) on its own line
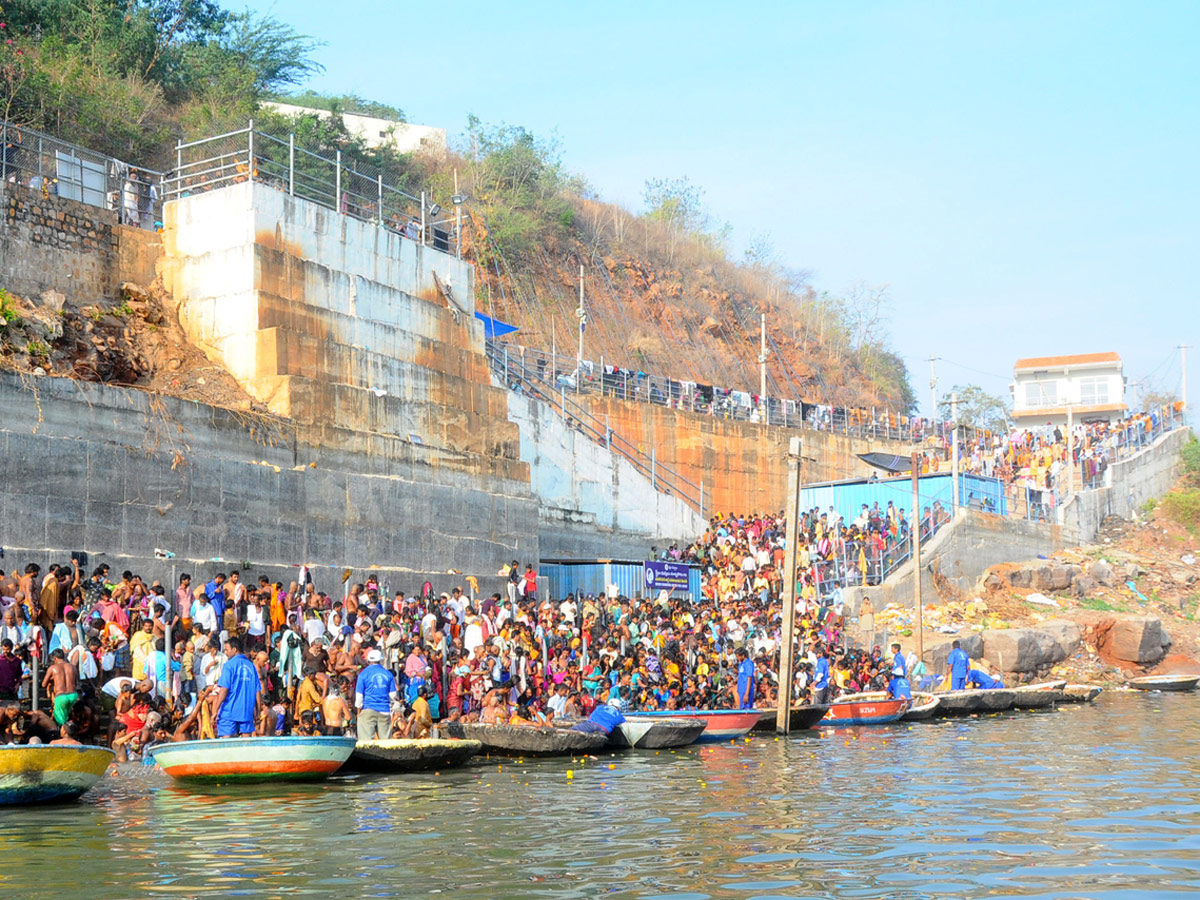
point(604, 718)
point(237, 692)
point(899, 687)
point(959, 663)
point(983, 681)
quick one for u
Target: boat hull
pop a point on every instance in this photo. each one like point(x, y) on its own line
point(46, 773)
point(864, 712)
point(656, 734)
point(1034, 697)
point(719, 724)
point(417, 755)
point(254, 759)
point(527, 740)
point(964, 703)
point(1172, 683)
point(1081, 693)
point(923, 704)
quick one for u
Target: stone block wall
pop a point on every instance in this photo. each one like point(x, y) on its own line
point(50, 243)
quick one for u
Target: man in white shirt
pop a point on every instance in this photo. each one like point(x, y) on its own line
point(203, 614)
point(558, 702)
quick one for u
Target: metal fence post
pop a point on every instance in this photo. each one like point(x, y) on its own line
point(4, 154)
point(337, 180)
point(506, 366)
point(250, 146)
point(291, 165)
point(379, 201)
point(422, 218)
point(653, 468)
point(178, 157)
point(607, 433)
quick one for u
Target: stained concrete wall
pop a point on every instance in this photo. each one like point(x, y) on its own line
point(1130, 484)
point(121, 472)
point(742, 465)
point(594, 502)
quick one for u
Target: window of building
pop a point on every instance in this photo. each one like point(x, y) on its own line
point(1093, 390)
point(1041, 393)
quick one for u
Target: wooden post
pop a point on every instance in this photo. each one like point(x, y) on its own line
point(792, 512)
point(916, 538)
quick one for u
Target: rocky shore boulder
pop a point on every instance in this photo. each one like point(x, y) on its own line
point(1137, 639)
point(1021, 649)
point(1067, 634)
point(1102, 572)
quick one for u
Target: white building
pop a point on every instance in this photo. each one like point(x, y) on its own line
point(1091, 385)
point(376, 132)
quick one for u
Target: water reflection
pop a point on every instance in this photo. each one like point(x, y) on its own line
point(1098, 801)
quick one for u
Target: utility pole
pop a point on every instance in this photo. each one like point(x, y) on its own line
point(916, 539)
point(792, 512)
point(1183, 376)
point(762, 368)
point(581, 314)
point(957, 495)
point(933, 385)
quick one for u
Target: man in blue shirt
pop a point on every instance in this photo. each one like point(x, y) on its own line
point(604, 718)
point(899, 686)
point(237, 692)
point(745, 680)
point(959, 662)
point(821, 677)
point(373, 695)
point(215, 592)
point(983, 681)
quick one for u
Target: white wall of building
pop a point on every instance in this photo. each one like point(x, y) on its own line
point(1045, 395)
point(405, 137)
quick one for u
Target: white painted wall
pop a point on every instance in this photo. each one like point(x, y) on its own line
point(570, 471)
point(375, 131)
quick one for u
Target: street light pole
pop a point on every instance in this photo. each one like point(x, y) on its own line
point(787, 638)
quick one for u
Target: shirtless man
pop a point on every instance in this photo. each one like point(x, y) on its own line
point(62, 681)
point(66, 736)
point(335, 710)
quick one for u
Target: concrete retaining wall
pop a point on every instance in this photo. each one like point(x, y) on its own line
point(122, 472)
point(594, 503)
point(1132, 482)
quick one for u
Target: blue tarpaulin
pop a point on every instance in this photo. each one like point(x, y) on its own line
point(494, 328)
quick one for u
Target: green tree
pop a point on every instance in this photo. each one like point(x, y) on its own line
point(976, 408)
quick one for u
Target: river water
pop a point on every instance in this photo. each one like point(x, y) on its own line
point(1095, 801)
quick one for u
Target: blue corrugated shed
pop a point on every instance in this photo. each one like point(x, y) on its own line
point(848, 497)
point(562, 578)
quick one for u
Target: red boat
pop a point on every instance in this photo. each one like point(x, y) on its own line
point(864, 712)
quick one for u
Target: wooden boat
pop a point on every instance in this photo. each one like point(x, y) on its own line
point(719, 724)
point(963, 703)
point(655, 733)
point(527, 740)
point(844, 711)
point(416, 755)
point(1038, 696)
point(1165, 683)
point(293, 758)
point(41, 773)
point(1081, 693)
point(923, 703)
point(800, 718)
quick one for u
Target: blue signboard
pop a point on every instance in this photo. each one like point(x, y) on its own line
point(662, 576)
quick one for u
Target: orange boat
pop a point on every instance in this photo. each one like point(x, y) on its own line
point(864, 712)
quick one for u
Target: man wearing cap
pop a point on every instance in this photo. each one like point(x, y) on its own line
point(373, 695)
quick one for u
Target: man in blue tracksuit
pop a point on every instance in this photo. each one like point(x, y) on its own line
point(959, 663)
point(604, 718)
point(899, 686)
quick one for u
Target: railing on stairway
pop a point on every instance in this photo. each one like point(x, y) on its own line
point(528, 380)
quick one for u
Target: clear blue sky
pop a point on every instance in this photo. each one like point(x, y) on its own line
point(1022, 175)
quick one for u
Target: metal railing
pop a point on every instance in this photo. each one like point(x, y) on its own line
point(598, 379)
point(358, 191)
point(58, 168)
point(527, 380)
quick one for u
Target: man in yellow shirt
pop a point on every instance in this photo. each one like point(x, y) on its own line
point(140, 646)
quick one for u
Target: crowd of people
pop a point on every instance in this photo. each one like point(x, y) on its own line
point(130, 663)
